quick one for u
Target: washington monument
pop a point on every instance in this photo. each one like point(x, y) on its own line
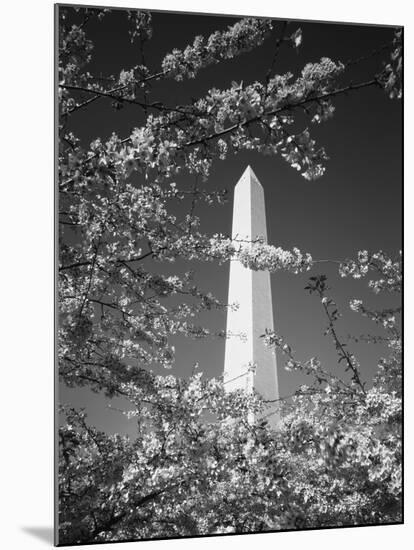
point(251, 290)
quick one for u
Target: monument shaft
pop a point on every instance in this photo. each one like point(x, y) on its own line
point(252, 291)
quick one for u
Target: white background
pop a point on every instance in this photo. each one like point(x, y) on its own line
point(26, 270)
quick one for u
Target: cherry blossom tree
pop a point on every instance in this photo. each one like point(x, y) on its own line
point(199, 464)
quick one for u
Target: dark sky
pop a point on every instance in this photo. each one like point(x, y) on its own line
point(356, 205)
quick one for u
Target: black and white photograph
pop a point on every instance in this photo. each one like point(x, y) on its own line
point(229, 196)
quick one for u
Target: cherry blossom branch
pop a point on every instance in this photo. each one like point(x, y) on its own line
point(110, 94)
point(318, 285)
point(247, 122)
point(90, 281)
point(289, 107)
point(118, 260)
point(88, 101)
point(278, 45)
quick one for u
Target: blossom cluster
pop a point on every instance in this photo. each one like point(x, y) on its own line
point(262, 256)
point(141, 25)
point(388, 270)
point(241, 37)
point(391, 77)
